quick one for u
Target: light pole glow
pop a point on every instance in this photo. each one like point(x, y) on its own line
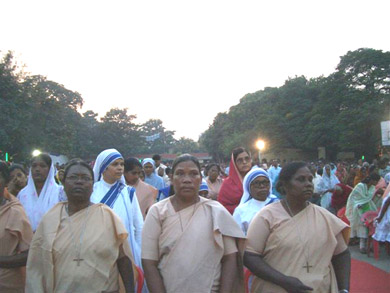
point(36, 153)
point(260, 144)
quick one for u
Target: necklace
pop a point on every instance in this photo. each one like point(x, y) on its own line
point(77, 248)
point(181, 223)
point(306, 248)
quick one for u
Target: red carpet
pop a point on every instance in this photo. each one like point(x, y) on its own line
point(366, 278)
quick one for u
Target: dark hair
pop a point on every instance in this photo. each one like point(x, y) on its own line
point(17, 166)
point(168, 170)
point(4, 171)
point(185, 158)
point(372, 176)
point(287, 173)
point(384, 160)
point(131, 163)
point(238, 151)
point(320, 171)
point(156, 157)
point(209, 166)
point(77, 162)
point(372, 168)
point(171, 190)
point(44, 157)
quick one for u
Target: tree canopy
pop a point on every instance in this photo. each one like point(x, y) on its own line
point(341, 112)
point(38, 113)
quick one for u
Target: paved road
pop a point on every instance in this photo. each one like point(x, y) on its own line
point(382, 263)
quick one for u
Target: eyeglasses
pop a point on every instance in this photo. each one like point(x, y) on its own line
point(258, 184)
point(74, 178)
point(246, 159)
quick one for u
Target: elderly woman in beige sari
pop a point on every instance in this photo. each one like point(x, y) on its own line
point(80, 246)
point(190, 243)
point(295, 246)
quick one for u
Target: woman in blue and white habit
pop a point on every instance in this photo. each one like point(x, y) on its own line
point(110, 189)
point(257, 188)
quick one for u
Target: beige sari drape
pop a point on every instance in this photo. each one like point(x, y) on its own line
point(146, 195)
point(15, 237)
point(311, 237)
point(51, 266)
point(190, 259)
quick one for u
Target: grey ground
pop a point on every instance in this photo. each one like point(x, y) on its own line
point(382, 263)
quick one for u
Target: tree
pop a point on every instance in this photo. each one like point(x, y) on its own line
point(120, 132)
point(40, 113)
point(163, 140)
point(366, 69)
point(341, 112)
point(366, 100)
point(186, 145)
point(13, 105)
point(85, 145)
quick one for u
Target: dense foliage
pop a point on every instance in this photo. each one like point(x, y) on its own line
point(37, 113)
point(341, 112)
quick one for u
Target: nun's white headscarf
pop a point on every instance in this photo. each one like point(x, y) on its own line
point(103, 160)
point(248, 179)
point(149, 160)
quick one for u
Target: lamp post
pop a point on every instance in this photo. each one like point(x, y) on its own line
point(260, 144)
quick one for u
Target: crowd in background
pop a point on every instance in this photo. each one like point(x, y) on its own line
point(134, 188)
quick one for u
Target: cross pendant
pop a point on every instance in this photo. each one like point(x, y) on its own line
point(307, 266)
point(78, 259)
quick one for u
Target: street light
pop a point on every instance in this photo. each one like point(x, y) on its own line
point(260, 144)
point(36, 153)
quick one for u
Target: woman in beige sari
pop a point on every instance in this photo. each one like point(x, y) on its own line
point(15, 238)
point(146, 194)
point(295, 246)
point(190, 243)
point(80, 246)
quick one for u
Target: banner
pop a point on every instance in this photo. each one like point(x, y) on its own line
point(385, 127)
point(152, 137)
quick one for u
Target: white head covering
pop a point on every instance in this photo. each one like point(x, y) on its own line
point(249, 206)
point(203, 186)
point(329, 181)
point(36, 206)
point(149, 160)
point(103, 160)
point(249, 177)
point(153, 179)
point(120, 198)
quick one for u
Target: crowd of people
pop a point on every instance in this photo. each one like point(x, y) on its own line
point(107, 225)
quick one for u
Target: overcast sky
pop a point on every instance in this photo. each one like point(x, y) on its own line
point(185, 61)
